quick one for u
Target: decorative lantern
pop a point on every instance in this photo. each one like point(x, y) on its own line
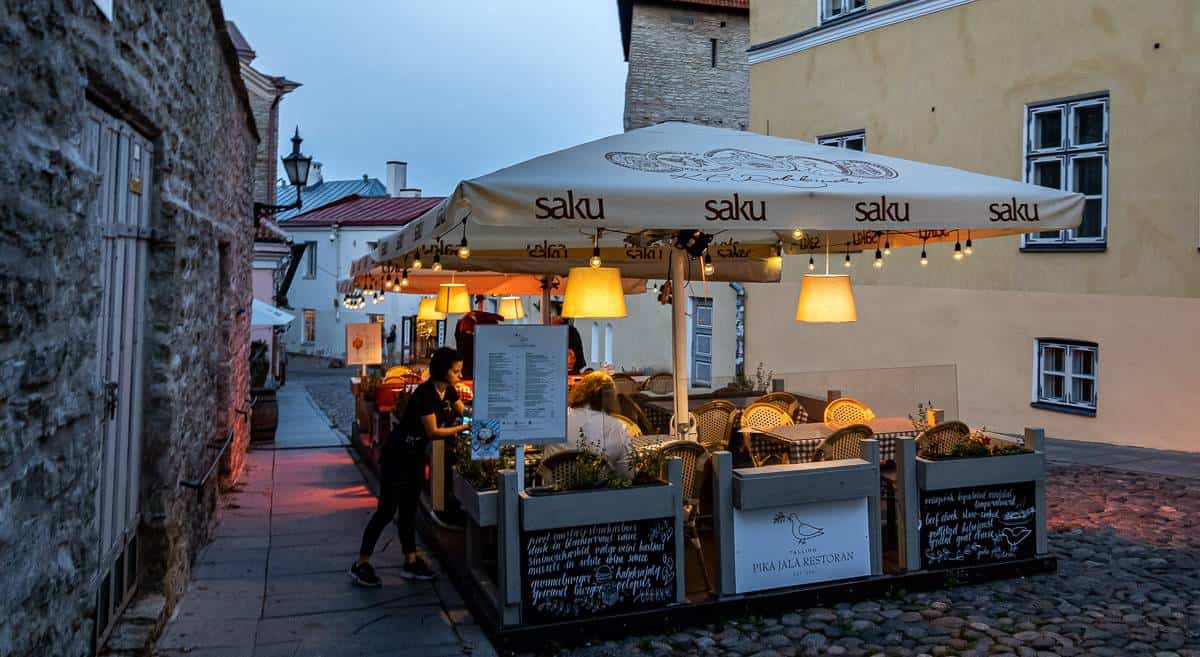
point(594, 292)
point(511, 308)
point(826, 298)
point(452, 298)
point(427, 310)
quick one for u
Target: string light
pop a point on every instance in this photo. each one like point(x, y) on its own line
point(404, 278)
point(437, 257)
point(887, 246)
point(924, 256)
point(464, 251)
point(958, 252)
point(878, 259)
point(709, 268)
point(797, 233)
point(812, 264)
point(595, 261)
point(417, 264)
point(970, 248)
point(847, 262)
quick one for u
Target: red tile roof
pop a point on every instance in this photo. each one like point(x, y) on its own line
point(357, 210)
point(730, 4)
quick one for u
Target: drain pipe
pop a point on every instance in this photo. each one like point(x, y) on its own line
point(739, 329)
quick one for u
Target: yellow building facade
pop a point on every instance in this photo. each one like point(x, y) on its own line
point(1093, 333)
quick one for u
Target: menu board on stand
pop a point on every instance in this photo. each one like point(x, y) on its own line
point(978, 525)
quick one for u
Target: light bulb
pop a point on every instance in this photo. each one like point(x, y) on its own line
point(797, 233)
point(924, 258)
point(812, 265)
point(404, 278)
point(847, 262)
point(970, 249)
point(437, 266)
point(437, 259)
point(417, 264)
point(878, 259)
point(709, 268)
point(887, 247)
point(464, 251)
point(958, 253)
point(595, 262)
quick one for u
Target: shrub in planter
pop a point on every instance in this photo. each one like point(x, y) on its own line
point(481, 474)
point(260, 365)
point(979, 445)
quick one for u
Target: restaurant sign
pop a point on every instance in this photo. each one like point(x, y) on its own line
point(589, 570)
point(364, 344)
point(978, 525)
point(801, 544)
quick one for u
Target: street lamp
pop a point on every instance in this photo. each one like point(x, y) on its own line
point(296, 165)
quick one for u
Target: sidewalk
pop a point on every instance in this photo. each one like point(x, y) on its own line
point(273, 582)
point(1134, 459)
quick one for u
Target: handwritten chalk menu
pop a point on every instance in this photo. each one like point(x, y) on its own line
point(521, 381)
point(581, 572)
point(978, 525)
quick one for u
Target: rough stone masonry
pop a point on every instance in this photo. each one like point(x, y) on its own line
point(167, 71)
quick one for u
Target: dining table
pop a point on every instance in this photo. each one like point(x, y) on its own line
point(804, 439)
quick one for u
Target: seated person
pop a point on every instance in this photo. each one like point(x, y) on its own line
point(590, 403)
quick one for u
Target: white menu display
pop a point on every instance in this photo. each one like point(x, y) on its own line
point(521, 382)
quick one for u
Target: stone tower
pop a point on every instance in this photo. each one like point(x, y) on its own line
point(687, 62)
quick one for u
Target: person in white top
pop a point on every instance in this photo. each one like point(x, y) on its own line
point(590, 403)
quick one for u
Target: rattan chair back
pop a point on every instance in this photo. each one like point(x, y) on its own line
point(764, 416)
point(629, 408)
point(844, 412)
point(714, 424)
point(845, 443)
point(659, 419)
point(561, 470)
point(693, 455)
point(785, 400)
point(939, 440)
point(626, 385)
point(660, 384)
point(765, 449)
point(630, 426)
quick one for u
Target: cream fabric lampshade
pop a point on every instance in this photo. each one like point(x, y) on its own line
point(511, 308)
point(826, 298)
point(594, 292)
point(453, 298)
point(426, 310)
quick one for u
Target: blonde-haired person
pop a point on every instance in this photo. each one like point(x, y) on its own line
point(589, 405)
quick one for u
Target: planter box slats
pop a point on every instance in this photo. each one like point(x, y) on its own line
point(759, 488)
point(982, 471)
point(480, 505)
point(594, 507)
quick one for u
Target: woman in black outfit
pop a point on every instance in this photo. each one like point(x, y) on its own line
point(431, 414)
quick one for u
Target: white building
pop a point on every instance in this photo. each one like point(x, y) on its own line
point(336, 234)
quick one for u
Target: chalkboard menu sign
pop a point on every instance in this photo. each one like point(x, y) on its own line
point(586, 571)
point(978, 525)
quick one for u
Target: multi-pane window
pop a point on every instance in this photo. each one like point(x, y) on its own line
point(1066, 374)
point(310, 260)
point(831, 9)
point(310, 325)
point(855, 141)
point(1066, 147)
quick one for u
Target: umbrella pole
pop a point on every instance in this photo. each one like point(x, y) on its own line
point(679, 263)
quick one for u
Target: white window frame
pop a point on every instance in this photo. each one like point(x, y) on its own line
point(309, 326)
point(839, 140)
point(844, 8)
point(609, 356)
point(310, 262)
point(1067, 152)
point(1069, 349)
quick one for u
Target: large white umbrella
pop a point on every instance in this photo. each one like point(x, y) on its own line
point(635, 194)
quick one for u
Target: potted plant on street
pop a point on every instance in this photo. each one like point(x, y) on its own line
point(264, 417)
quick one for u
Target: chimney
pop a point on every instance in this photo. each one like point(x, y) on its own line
point(314, 174)
point(397, 177)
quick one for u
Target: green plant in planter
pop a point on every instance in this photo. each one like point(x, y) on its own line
point(481, 474)
point(761, 382)
point(649, 465)
point(920, 417)
point(260, 365)
point(593, 470)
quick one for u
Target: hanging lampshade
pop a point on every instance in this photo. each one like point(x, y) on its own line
point(452, 298)
point(826, 298)
point(427, 311)
point(511, 308)
point(594, 292)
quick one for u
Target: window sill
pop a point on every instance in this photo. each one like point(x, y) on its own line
point(1065, 248)
point(1062, 408)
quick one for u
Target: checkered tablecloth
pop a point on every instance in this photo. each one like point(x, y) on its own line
point(804, 439)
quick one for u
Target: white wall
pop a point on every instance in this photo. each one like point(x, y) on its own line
point(320, 292)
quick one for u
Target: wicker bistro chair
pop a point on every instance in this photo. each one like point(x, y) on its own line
point(662, 383)
point(630, 426)
point(845, 443)
point(560, 470)
point(626, 385)
point(694, 458)
point(765, 449)
point(844, 412)
point(629, 408)
point(714, 424)
point(658, 418)
point(764, 416)
point(940, 439)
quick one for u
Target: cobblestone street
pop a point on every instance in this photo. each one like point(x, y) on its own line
point(1127, 583)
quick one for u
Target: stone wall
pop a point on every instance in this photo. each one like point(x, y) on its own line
point(671, 76)
point(168, 70)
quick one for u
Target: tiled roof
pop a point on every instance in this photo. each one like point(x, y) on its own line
point(366, 211)
point(329, 191)
point(268, 231)
point(625, 12)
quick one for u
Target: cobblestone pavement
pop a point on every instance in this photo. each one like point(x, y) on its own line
point(328, 387)
point(1128, 583)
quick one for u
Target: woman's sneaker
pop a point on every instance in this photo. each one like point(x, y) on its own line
point(417, 570)
point(363, 574)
